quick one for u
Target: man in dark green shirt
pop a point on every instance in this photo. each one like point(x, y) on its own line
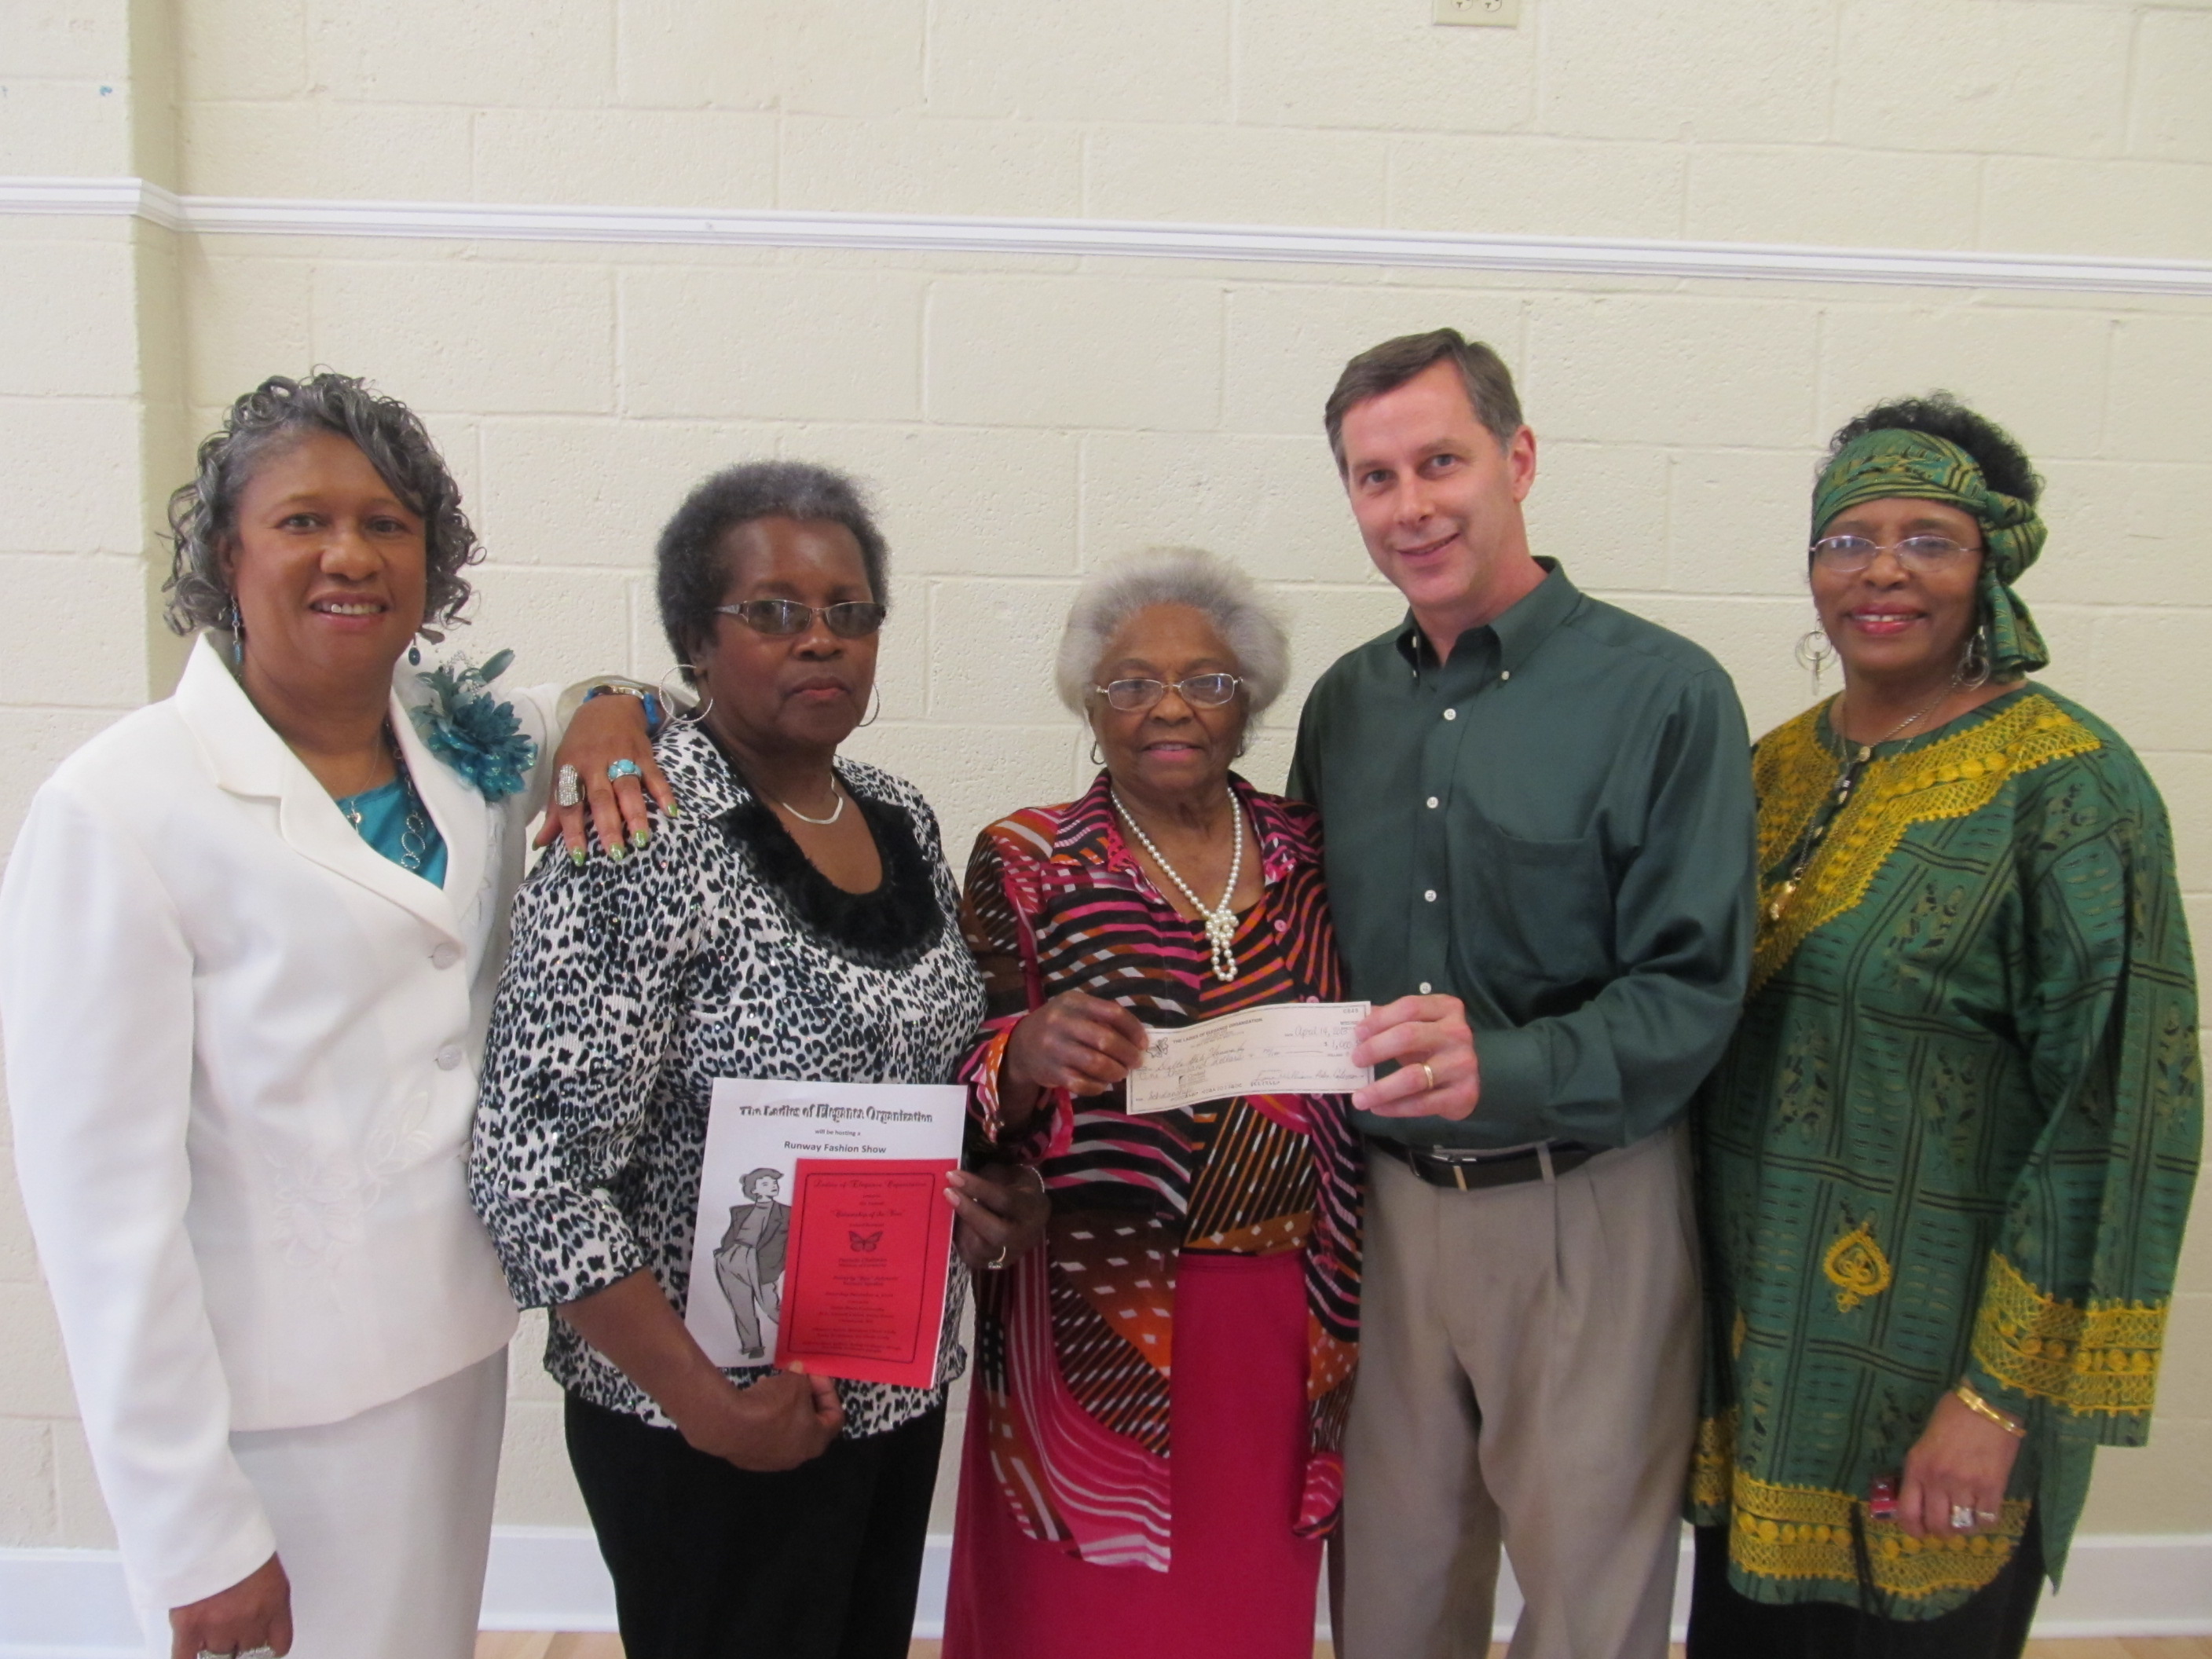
point(1538, 818)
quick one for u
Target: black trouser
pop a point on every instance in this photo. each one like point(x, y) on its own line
point(819, 1562)
point(1725, 1624)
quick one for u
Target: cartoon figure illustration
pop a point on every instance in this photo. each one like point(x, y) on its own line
point(748, 1261)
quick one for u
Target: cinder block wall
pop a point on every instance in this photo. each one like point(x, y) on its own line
point(1024, 418)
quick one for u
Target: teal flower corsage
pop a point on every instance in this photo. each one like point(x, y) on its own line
point(465, 726)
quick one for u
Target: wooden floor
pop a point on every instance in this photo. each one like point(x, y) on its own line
point(507, 1645)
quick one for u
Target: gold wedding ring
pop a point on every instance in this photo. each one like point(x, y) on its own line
point(1431, 1077)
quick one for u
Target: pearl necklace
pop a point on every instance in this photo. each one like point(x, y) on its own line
point(1221, 921)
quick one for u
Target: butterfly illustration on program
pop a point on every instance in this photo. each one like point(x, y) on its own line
point(867, 1242)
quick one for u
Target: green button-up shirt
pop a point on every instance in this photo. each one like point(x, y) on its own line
point(1555, 826)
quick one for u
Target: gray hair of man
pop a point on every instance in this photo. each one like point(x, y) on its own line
point(1206, 582)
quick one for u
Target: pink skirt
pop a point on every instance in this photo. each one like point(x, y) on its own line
point(1242, 1583)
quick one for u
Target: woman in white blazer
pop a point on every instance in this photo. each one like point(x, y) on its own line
point(248, 942)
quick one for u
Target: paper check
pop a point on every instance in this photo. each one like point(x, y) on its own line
point(1292, 1049)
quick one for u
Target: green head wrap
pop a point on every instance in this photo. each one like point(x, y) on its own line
point(1898, 462)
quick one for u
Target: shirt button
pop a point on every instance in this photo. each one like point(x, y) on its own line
point(1432, 802)
point(1282, 926)
point(1504, 675)
point(449, 1056)
point(1425, 987)
point(445, 956)
point(1451, 713)
point(1430, 895)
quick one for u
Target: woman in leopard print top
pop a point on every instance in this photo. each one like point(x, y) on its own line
point(747, 939)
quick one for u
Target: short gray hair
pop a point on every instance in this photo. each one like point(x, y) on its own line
point(1174, 575)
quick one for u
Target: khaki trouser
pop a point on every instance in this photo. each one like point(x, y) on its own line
point(1528, 1374)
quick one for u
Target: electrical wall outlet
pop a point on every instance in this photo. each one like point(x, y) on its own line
point(1483, 13)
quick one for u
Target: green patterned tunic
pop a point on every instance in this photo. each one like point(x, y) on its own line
point(1954, 1139)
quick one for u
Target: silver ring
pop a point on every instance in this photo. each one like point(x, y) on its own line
point(1987, 1516)
point(264, 1651)
point(568, 787)
point(1431, 1078)
point(1962, 1518)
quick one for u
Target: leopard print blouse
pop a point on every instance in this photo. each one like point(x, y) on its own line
point(717, 951)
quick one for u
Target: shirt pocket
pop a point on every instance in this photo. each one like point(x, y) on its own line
point(1534, 923)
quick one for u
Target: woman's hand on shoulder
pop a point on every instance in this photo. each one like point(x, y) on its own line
point(1078, 1043)
point(779, 1422)
point(254, 1613)
point(606, 730)
point(1002, 1209)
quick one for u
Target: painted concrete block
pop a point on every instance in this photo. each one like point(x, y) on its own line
point(1601, 510)
point(1736, 522)
point(68, 326)
point(563, 625)
point(2170, 108)
point(1711, 70)
point(77, 462)
point(81, 1511)
point(1343, 63)
point(491, 337)
point(694, 54)
point(992, 648)
point(68, 129)
point(2120, 210)
point(72, 604)
point(530, 52)
point(656, 158)
point(1288, 343)
point(1830, 195)
point(1624, 368)
point(2033, 80)
point(969, 784)
point(33, 1377)
point(2160, 405)
point(902, 164)
point(1144, 60)
point(241, 49)
point(1272, 504)
point(72, 39)
point(1105, 351)
point(1236, 175)
point(250, 318)
point(783, 344)
point(2124, 533)
point(960, 501)
point(27, 1482)
point(1537, 185)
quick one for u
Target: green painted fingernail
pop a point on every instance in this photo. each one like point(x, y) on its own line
point(614, 854)
point(639, 838)
point(576, 854)
point(674, 810)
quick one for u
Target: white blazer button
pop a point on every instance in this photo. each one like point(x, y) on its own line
point(1425, 987)
point(446, 955)
point(1451, 713)
point(1430, 895)
point(449, 1056)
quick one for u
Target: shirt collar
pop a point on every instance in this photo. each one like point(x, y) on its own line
point(1527, 623)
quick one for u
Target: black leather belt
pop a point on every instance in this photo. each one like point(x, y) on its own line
point(1468, 1171)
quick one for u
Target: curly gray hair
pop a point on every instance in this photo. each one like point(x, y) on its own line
point(1174, 575)
point(274, 415)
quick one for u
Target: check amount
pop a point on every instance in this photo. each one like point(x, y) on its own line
point(1292, 1049)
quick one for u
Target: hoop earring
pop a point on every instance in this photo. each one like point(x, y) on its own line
point(875, 708)
point(237, 634)
point(1815, 651)
point(1097, 759)
point(1974, 662)
point(669, 705)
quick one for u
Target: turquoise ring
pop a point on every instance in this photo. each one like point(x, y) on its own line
point(624, 768)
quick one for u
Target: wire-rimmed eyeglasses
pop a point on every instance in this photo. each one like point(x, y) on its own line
point(1918, 554)
point(1200, 691)
point(855, 619)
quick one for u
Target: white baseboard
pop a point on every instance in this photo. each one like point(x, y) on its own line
point(70, 1604)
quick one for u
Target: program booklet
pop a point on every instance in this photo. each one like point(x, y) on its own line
point(823, 1233)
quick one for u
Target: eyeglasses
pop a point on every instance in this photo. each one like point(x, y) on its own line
point(855, 619)
point(1918, 554)
point(1200, 691)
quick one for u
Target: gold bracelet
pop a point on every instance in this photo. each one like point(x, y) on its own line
point(1973, 1402)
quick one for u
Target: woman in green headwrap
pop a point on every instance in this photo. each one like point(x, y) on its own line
point(1946, 1162)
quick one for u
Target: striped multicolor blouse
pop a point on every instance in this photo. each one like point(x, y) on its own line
point(1074, 1339)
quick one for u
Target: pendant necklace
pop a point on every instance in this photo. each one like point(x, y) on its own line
point(415, 824)
point(1855, 760)
point(1220, 922)
point(835, 812)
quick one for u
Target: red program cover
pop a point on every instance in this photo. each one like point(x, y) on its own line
point(871, 1251)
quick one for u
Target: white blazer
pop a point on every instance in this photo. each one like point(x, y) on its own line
point(242, 1050)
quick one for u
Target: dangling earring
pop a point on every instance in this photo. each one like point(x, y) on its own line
point(875, 708)
point(237, 634)
point(1974, 662)
point(669, 705)
point(1097, 759)
point(1815, 651)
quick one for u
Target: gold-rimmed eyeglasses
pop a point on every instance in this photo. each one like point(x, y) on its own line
point(1200, 691)
point(1918, 554)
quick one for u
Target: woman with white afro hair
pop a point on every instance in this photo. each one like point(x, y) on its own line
point(1225, 1234)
